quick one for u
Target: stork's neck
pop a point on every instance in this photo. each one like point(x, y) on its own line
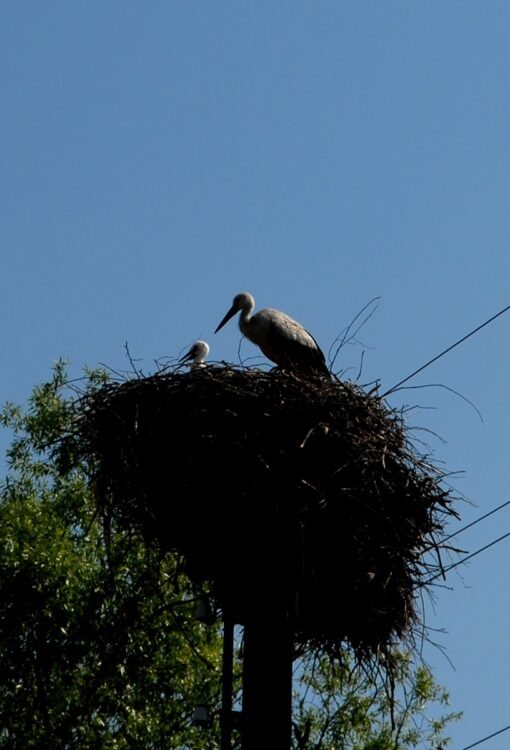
point(246, 311)
point(243, 320)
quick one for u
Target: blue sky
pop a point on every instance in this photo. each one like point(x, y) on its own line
point(156, 158)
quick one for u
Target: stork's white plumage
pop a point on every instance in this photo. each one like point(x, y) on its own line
point(197, 354)
point(281, 338)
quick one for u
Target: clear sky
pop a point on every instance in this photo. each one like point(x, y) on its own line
point(158, 157)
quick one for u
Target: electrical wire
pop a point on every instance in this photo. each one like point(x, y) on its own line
point(445, 351)
point(489, 737)
point(477, 520)
point(465, 559)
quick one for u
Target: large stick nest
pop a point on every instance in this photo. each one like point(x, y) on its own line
point(276, 489)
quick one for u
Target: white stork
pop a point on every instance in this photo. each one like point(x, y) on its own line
point(281, 338)
point(197, 354)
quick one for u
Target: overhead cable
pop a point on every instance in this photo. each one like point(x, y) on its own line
point(465, 559)
point(477, 520)
point(445, 351)
point(489, 737)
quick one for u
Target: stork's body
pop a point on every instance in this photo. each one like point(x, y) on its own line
point(197, 354)
point(281, 338)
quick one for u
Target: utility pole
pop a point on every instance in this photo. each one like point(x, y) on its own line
point(226, 716)
point(267, 680)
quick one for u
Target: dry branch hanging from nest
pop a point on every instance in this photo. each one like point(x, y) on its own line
point(273, 485)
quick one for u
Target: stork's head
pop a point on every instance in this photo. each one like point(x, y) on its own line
point(242, 302)
point(197, 354)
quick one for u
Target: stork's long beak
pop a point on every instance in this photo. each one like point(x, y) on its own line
point(227, 317)
point(187, 356)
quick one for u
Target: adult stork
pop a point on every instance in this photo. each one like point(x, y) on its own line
point(197, 354)
point(281, 338)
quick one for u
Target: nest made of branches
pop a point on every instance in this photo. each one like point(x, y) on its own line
point(276, 489)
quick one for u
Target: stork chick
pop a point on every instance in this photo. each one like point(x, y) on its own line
point(197, 354)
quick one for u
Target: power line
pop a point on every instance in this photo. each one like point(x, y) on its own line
point(461, 531)
point(449, 349)
point(489, 737)
point(477, 552)
point(468, 557)
point(464, 559)
point(477, 520)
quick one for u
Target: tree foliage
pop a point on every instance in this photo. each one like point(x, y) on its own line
point(342, 707)
point(99, 646)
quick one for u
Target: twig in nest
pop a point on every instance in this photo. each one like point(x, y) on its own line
point(345, 337)
point(138, 373)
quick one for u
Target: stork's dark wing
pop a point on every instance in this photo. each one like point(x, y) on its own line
point(291, 346)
